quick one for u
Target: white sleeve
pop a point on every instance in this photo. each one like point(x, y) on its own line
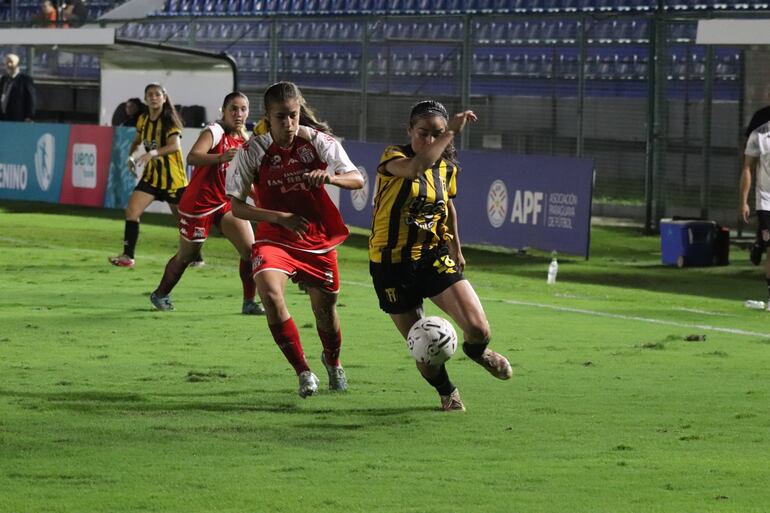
point(217, 132)
point(752, 145)
point(242, 170)
point(331, 151)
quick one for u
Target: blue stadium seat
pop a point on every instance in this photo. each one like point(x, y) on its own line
point(683, 32)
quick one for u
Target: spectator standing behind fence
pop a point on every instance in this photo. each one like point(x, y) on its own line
point(18, 92)
point(757, 160)
point(75, 13)
point(47, 15)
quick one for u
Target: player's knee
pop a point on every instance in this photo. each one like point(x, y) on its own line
point(271, 299)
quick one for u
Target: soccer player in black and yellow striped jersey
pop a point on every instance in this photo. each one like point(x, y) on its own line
point(414, 247)
point(164, 177)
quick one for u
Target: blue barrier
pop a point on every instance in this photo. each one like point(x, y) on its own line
point(513, 201)
point(32, 159)
point(120, 183)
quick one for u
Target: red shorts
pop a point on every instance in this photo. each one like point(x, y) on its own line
point(312, 268)
point(195, 228)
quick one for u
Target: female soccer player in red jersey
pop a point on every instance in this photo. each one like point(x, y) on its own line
point(164, 177)
point(205, 204)
point(299, 225)
point(414, 248)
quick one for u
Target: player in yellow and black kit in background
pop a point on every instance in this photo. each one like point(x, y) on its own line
point(414, 247)
point(163, 176)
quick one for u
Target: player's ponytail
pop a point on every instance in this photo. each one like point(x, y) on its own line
point(283, 91)
point(168, 114)
point(431, 108)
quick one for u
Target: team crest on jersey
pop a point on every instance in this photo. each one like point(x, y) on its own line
point(199, 232)
point(275, 161)
point(305, 154)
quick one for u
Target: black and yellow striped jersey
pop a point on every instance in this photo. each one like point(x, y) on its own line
point(168, 171)
point(410, 216)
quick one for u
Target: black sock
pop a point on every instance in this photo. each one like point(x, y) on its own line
point(130, 236)
point(474, 351)
point(441, 382)
point(768, 286)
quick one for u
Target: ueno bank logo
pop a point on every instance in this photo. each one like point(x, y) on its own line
point(44, 160)
point(84, 166)
point(359, 197)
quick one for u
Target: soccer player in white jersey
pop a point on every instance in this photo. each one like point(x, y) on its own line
point(757, 158)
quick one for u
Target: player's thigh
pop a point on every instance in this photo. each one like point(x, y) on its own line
point(405, 320)
point(461, 303)
point(270, 287)
point(137, 204)
point(239, 232)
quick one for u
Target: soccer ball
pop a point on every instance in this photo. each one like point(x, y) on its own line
point(432, 340)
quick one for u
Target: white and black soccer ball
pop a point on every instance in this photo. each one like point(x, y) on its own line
point(432, 340)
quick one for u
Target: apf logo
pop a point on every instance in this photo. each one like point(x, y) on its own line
point(44, 159)
point(497, 203)
point(360, 196)
point(84, 166)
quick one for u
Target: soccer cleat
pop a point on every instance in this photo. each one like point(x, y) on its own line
point(308, 384)
point(496, 364)
point(121, 261)
point(198, 262)
point(251, 307)
point(755, 255)
point(338, 382)
point(162, 303)
point(452, 402)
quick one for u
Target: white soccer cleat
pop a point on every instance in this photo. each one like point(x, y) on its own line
point(338, 382)
point(496, 364)
point(452, 402)
point(308, 384)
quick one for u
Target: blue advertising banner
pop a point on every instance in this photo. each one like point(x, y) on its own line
point(513, 201)
point(32, 159)
point(120, 181)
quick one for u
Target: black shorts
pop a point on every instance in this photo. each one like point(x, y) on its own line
point(401, 287)
point(171, 197)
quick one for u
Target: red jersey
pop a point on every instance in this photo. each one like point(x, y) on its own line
point(206, 192)
point(278, 174)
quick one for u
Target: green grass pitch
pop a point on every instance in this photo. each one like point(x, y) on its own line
point(109, 406)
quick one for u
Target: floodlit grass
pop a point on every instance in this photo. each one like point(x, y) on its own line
point(109, 406)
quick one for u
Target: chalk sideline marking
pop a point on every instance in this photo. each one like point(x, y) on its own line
point(732, 331)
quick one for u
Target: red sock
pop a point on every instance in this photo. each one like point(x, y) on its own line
point(247, 279)
point(286, 337)
point(331, 343)
point(171, 276)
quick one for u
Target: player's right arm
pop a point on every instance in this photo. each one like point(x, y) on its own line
point(293, 222)
point(751, 156)
point(412, 167)
point(749, 163)
point(241, 175)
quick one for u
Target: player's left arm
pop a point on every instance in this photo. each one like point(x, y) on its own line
point(341, 172)
point(455, 248)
